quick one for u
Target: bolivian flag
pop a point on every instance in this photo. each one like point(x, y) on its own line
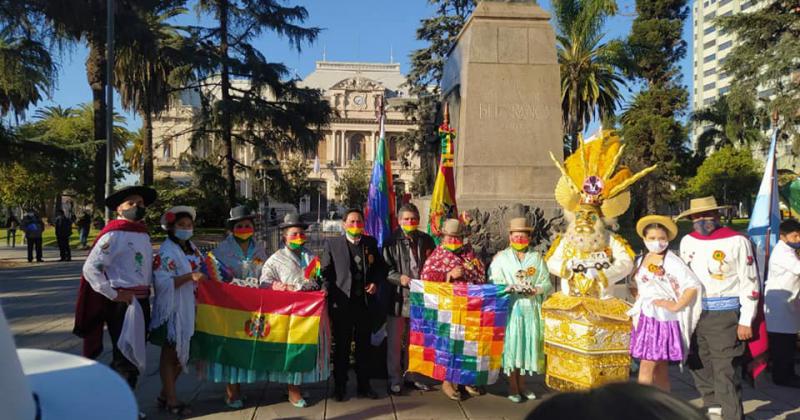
point(260, 329)
point(443, 200)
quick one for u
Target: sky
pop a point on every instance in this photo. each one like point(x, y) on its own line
point(352, 30)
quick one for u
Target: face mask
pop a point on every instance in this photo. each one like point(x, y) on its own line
point(656, 247)
point(795, 245)
point(183, 234)
point(355, 231)
point(243, 234)
point(134, 213)
point(520, 244)
point(453, 246)
point(705, 227)
point(297, 242)
point(409, 227)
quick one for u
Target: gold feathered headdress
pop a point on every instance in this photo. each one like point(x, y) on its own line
point(587, 177)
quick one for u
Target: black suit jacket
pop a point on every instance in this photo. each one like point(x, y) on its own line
point(336, 268)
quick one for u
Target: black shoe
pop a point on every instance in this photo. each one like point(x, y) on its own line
point(394, 390)
point(339, 394)
point(367, 393)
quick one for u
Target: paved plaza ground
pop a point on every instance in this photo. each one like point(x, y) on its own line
point(39, 301)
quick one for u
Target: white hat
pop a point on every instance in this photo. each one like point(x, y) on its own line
point(46, 384)
point(175, 210)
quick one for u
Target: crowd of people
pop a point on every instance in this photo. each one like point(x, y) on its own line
point(32, 227)
point(694, 306)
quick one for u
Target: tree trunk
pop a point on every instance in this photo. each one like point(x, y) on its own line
point(147, 147)
point(96, 76)
point(573, 118)
point(225, 106)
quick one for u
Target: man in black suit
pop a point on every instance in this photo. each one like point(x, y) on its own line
point(352, 267)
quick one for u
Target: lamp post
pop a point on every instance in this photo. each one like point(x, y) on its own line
point(263, 166)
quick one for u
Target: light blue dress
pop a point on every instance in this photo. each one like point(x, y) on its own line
point(523, 346)
point(246, 268)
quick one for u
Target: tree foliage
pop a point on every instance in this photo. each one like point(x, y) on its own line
point(439, 33)
point(353, 186)
point(24, 187)
point(735, 121)
point(246, 99)
point(651, 125)
point(590, 79)
point(291, 182)
point(764, 57)
point(730, 174)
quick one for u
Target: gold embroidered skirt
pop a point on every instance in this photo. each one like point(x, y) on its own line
point(586, 341)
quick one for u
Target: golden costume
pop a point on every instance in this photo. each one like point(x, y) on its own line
point(587, 332)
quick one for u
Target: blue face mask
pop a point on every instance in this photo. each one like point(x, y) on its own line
point(184, 234)
point(795, 245)
point(705, 227)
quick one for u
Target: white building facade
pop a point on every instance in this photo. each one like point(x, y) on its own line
point(353, 90)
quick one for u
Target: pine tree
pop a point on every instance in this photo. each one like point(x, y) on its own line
point(439, 32)
point(651, 127)
point(764, 57)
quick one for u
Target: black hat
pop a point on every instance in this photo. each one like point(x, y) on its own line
point(115, 199)
point(240, 213)
point(292, 220)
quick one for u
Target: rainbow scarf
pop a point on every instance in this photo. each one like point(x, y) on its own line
point(260, 329)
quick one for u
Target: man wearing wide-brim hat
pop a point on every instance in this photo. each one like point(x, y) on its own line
point(724, 262)
point(117, 277)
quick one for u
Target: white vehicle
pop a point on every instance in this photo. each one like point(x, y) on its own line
point(596, 260)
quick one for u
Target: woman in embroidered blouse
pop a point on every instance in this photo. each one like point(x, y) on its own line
point(288, 269)
point(525, 272)
point(242, 255)
point(454, 261)
point(667, 304)
point(175, 271)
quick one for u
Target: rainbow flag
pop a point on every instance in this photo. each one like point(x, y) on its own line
point(457, 331)
point(380, 210)
point(443, 199)
point(314, 269)
point(215, 270)
point(259, 329)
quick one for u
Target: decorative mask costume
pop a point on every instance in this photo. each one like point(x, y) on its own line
point(587, 332)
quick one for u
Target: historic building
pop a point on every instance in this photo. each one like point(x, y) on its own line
point(353, 90)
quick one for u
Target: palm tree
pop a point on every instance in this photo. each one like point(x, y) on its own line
point(26, 72)
point(734, 121)
point(133, 154)
point(54, 111)
point(146, 71)
point(589, 78)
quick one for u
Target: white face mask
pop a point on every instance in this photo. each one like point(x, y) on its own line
point(656, 247)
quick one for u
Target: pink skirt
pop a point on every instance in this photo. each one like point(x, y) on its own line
point(657, 340)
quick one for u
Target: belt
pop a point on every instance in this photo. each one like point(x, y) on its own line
point(141, 292)
point(728, 303)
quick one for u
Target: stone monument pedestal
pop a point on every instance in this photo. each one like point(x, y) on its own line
point(502, 83)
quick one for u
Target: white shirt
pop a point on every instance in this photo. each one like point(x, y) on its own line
point(670, 284)
point(782, 291)
point(120, 259)
point(726, 268)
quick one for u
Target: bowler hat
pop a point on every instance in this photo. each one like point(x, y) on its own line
point(240, 213)
point(292, 220)
point(115, 199)
point(452, 227)
point(519, 224)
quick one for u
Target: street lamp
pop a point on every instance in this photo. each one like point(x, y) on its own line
point(263, 166)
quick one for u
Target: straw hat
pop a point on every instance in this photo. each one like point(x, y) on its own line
point(519, 224)
point(668, 223)
point(46, 384)
point(452, 227)
point(165, 218)
point(701, 205)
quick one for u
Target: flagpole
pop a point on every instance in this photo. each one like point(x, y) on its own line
point(768, 244)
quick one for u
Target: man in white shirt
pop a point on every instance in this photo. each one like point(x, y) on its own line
point(724, 263)
point(782, 304)
point(117, 271)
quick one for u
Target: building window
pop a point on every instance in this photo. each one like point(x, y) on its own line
point(322, 151)
point(710, 44)
point(725, 45)
point(728, 13)
point(710, 16)
point(724, 90)
point(392, 145)
point(723, 60)
point(709, 86)
point(709, 72)
point(167, 149)
point(709, 58)
point(358, 147)
point(708, 101)
point(724, 2)
point(746, 5)
point(709, 30)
